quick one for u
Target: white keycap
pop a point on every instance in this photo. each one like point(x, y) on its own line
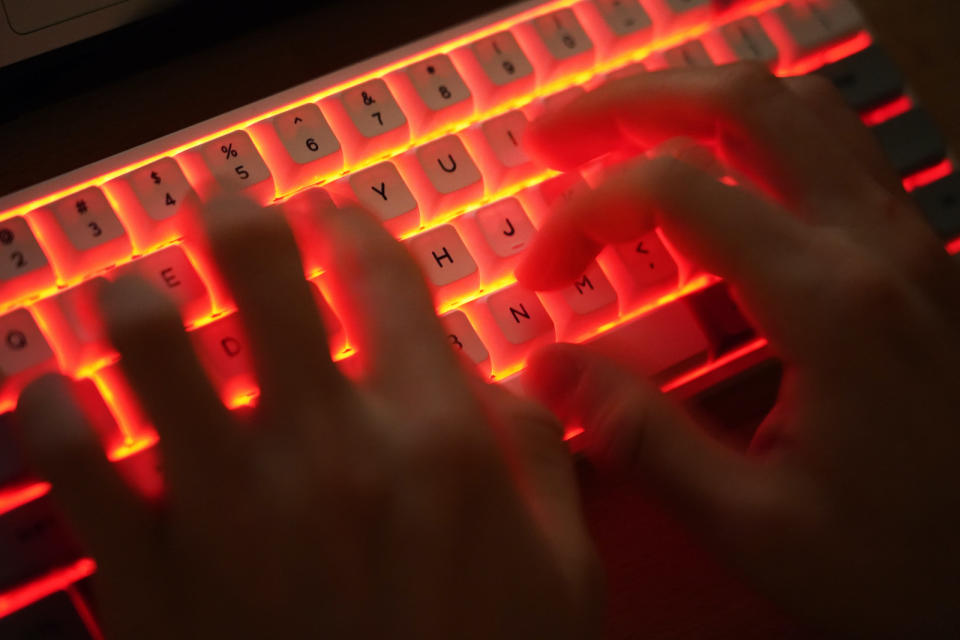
point(687, 55)
point(584, 305)
point(24, 353)
point(497, 234)
point(336, 333)
point(380, 189)
point(367, 119)
point(741, 40)
point(433, 93)
point(616, 26)
point(171, 272)
point(81, 233)
point(505, 227)
point(496, 145)
point(300, 145)
point(670, 16)
point(24, 268)
point(222, 348)
point(511, 322)
point(158, 203)
point(75, 325)
point(641, 270)
point(801, 27)
point(658, 344)
point(497, 69)
point(446, 262)
point(442, 175)
point(463, 337)
point(556, 44)
point(228, 164)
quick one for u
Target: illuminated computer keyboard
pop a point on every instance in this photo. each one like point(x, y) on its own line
point(426, 137)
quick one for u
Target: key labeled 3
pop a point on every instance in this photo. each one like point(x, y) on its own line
point(81, 234)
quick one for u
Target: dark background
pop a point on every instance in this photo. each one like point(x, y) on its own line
point(100, 97)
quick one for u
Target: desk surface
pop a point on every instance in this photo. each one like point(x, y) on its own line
point(662, 584)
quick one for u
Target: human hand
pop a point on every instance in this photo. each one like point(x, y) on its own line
point(846, 510)
point(416, 502)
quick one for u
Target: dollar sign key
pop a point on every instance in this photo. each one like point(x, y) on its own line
point(155, 177)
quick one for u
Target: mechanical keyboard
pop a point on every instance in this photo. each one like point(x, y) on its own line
point(428, 138)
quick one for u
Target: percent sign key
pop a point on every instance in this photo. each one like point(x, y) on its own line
point(228, 151)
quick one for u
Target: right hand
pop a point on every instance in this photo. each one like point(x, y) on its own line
point(847, 508)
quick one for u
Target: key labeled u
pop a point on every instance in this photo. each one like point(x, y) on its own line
point(453, 164)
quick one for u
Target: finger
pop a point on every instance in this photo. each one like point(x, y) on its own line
point(764, 130)
point(823, 98)
point(763, 251)
point(629, 427)
point(258, 257)
point(163, 371)
point(382, 295)
point(107, 514)
point(546, 477)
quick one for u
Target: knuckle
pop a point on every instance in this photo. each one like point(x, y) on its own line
point(862, 285)
point(747, 84)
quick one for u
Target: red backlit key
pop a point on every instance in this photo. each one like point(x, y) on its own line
point(662, 343)
point(586, 304)
point(336, 334)
point(380, 189)
point(228, 164)
point(443, 176)
point(463, 337)
point(641, 270)
point(157, 202)
point(300, 146)
point(24, 354)
point(433, 94)
point(669, 16)
point(81, 233)
point(367, 119)
point(495, 143)
point(557, 45)
point(497, 234)
point(497, 68)
point(446, 262)
point(23, 267)
point(741, 40)
point(616, 26)
point(53, 618)
point(511, 322)
point(170, 271)
point(801, 27)
point(75, 325)
point(33, 540)
point(687, 55)
point(222, 348)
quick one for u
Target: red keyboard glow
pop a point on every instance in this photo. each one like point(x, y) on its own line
point(428, 138)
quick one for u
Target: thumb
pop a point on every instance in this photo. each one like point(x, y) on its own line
point(543, 470)
point(631, 427)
